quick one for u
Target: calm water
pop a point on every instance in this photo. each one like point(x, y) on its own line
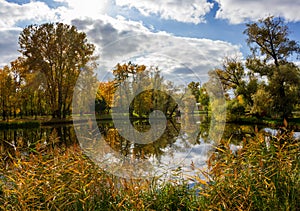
point(171, 150)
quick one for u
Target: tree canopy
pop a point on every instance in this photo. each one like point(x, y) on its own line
point(60, 53)
point(267, 72)
point(270, 37)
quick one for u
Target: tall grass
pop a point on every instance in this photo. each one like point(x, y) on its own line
point(59, 178)
point(263, 175)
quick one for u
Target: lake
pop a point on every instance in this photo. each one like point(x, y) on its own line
point(173, 150)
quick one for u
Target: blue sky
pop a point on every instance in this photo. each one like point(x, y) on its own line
point(183, 38)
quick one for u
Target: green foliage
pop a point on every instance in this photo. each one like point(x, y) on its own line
point(232, 74)
point(204, 99)
point(234, 78)
point(284, 88)
point(280, 95)
point(262, 103)
point(235, 110)
point(195, 89)
point(270, 37)
point(268, 40)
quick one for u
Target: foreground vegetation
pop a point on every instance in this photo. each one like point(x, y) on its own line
point(263, 175)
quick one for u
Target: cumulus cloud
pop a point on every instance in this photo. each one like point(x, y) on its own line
point(88, 8)
point(192, 11)
point(171, 54)
point(14, 16)
point(12, 13)
point(239, 11)
point(119, 40)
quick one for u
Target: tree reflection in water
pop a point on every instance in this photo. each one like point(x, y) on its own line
point(140, 151)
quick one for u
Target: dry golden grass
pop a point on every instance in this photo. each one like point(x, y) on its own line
point(260, 176)
point(263, 175)
point(59, 178)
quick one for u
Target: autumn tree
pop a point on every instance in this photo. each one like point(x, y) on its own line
point(284, 86)
point(204, 99)
point(271, 50)
point(29, 90)
point(232, 74)
point(18, 73)
point(213, 96)
point(200, 94)
point(195, 89)
point(6, 92)
point(268, 39)
point(148, 79)
point(234, 78)
point(262, 102)
point(104, 96)
point(60, 53)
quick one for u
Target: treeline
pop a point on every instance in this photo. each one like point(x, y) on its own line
point(267, 84)
point(42, 80)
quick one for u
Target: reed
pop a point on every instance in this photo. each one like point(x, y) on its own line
point(263, 175)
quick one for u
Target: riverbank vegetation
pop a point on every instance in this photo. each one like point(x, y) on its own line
point(264, 174)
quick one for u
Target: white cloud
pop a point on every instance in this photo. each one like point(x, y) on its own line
point(192, 11)
point(89, 8)
point(14, 16)
point(36, 11)
point(122, 41)
point(239, 11)
point(39, 12)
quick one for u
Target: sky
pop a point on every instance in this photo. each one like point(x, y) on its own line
point(184, 39)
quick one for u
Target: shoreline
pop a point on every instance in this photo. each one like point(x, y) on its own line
point(292, 123)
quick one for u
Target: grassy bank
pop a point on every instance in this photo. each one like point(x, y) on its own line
point(263, 175)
